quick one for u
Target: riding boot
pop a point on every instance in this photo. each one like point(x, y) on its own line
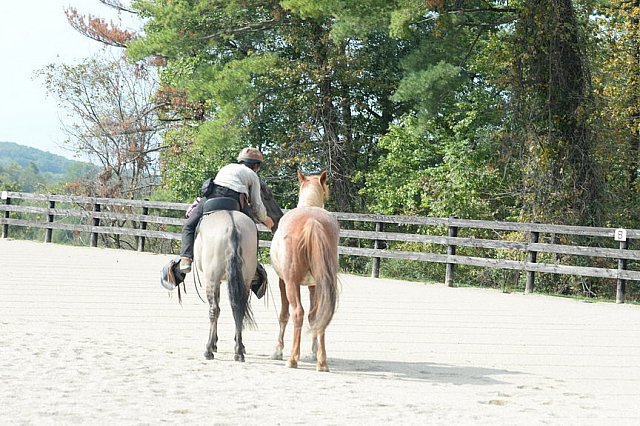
point(259, 282)
point(185, 264)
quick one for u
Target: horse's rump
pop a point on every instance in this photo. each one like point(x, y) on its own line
point(226, 249)
point(215, 238)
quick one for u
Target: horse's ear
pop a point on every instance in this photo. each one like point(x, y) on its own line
point(300, 176)
point(323, 177)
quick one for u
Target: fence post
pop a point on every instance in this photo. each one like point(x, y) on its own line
point(5, 227)
point(532, 257)
point(96, 222)
point(375, 267)
point(49, 231)
point(451, 251)
point(143, 225)
point(622, 283)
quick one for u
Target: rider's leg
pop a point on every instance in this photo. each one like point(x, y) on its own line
point(259, 282)
point(188, 237)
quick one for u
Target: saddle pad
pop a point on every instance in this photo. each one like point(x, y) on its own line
point(220, 203)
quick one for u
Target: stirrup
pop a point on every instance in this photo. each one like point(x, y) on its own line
point(260, 282)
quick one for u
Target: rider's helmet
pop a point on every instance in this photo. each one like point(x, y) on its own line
point(250, 156)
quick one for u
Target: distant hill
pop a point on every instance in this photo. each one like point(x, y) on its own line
point(45, 161)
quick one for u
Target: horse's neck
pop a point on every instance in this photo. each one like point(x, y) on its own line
point(310, 197)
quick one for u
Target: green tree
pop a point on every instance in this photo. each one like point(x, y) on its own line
point(8, 179)
point(263, 75)
point(444, 157)
point(617, 85)
point(553, 110)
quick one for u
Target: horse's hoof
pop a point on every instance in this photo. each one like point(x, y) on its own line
point(277, 356)
point(208, 355)
point(292, 364)
point(239, 358)
point(310, 357)
point(322, 368)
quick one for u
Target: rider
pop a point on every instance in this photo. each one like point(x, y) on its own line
point(238, 181)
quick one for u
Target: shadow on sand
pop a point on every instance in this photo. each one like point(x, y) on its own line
point(419, 371)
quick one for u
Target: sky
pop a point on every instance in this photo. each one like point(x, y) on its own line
point(33, 34)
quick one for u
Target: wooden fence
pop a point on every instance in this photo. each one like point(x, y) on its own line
point(131, 218)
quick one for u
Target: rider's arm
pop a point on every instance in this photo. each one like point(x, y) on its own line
point(255, 199)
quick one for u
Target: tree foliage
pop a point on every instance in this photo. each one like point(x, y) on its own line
point(263, 75)
point(553, 114)
point(506, 110)
point(617, 85)
point(496, 109)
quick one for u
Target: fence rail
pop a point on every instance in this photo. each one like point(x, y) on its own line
point(117, 217)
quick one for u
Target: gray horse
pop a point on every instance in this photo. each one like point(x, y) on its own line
point(225, 248)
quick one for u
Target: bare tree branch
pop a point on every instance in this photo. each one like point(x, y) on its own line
point(116, 4)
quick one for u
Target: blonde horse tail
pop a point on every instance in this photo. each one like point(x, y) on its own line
point(322, 258)
point(238, 295)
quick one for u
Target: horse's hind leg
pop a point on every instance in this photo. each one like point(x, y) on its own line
point(317, 345)
point(240, 350)
point(313, 310)
point(283, 319)
point(293, 294)
point(213, 295)
point(321, 354)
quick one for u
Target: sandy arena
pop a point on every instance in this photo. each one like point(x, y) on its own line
point(88, 336)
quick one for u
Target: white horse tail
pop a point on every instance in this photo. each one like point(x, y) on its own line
point(322, 258)
point(238, 295)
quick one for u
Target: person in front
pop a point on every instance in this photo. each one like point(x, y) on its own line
point(240, 182)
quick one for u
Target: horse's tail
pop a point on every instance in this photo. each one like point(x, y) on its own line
point(322, 258)
point(238, 294)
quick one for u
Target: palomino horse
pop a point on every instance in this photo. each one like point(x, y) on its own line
point(304, 251)
point(225, 249)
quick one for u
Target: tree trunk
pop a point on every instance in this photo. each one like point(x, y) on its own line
point(336, 145)
point(561, 179)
